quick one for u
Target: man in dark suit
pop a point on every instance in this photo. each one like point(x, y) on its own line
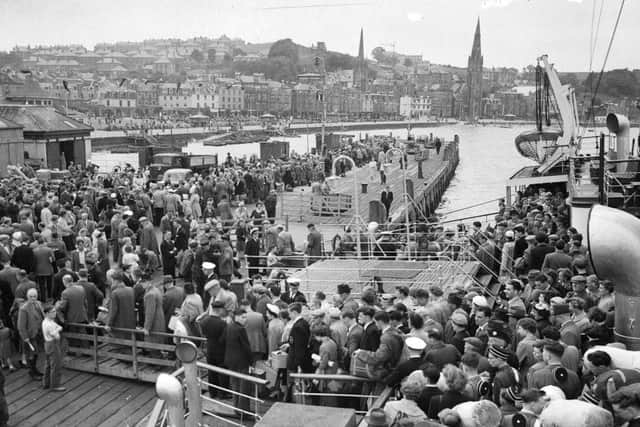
point(79, 255)
point(73, 308)
point(122, 310)
point(64, 265)
point(386, 197)
point(555, 374)
point(539, 251)
point(252, 252)
point(371, 334)
point(314, 244)
point(385, 358)
point(354, 336)
point(294, 295)
point(23, 257)
point(439, 353)
point(93, 294)
point(9, 275)
point(557, 259)
point(172, 298)
point(95, 273)
point(237, 356)
point(214, 328)
point(415, 346)
point(299, 355)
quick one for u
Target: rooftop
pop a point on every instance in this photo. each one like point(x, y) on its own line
point(39, 121)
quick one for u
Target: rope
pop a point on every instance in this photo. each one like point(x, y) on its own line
point(606, 57)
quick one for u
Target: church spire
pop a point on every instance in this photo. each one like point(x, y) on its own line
point(474, 79)
point(360, 70)
point(476, 50)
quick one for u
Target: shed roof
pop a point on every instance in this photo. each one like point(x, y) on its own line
point(40, 121)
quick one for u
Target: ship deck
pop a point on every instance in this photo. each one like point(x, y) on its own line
point(89, 401)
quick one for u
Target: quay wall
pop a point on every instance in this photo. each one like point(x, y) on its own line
point(103, 142)
point(428, 199)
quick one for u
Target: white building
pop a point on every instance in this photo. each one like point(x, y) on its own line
point(188, 97)
point(415, 107)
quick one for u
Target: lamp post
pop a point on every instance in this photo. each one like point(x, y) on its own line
point(405, 197)
point(356, 204)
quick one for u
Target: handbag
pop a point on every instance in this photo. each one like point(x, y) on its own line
point(279, 360)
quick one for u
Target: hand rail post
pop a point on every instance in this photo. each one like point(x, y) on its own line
point(187, 352)
point(134, 353)
point(95, 348)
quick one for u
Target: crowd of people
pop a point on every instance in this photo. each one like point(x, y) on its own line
point(87, 251)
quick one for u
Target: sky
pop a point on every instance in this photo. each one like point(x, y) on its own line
point(514, 32)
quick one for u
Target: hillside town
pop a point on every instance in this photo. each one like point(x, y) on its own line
point(135, 84)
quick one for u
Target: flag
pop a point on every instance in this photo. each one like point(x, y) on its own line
point(122, 82)
point(66, 85)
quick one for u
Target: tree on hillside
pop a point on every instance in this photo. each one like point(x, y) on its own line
point(570, 79)
point(285, 48)
point(615, 83)
point(197, 56)
point(238, 52)
point(379, 54)
point(339, 61)
point(408, 62)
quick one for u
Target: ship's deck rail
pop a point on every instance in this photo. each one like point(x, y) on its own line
point(201, 409)
point(366, 395)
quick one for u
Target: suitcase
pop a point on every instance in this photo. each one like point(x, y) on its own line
point(358, 368)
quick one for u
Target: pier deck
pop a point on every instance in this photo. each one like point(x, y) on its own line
point(89, 401)
point(426, 191)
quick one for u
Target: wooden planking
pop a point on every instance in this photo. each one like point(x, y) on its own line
point(109, 410)
point(87, 394)
point(54, 403)
point(18, 401)
point(93, 403)
point(133, 411)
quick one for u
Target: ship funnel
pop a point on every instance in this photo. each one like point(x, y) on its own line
point(619, 124)
point(614, 248)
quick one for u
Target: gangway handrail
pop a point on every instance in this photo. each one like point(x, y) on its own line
point(158, 413)
point(471, 206)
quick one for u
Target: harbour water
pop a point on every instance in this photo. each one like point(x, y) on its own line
point(487, 158)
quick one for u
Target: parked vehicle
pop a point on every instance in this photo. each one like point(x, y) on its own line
point(198, 163)
point(177, 175)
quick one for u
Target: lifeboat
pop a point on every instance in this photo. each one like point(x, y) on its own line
point(538, 145)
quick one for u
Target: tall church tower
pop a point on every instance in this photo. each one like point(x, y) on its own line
point(474, 78)
point(360, 69)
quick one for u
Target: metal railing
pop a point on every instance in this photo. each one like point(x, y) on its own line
point(305, 382)
point(171, 410)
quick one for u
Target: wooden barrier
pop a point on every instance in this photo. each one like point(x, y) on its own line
point(99, 352)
